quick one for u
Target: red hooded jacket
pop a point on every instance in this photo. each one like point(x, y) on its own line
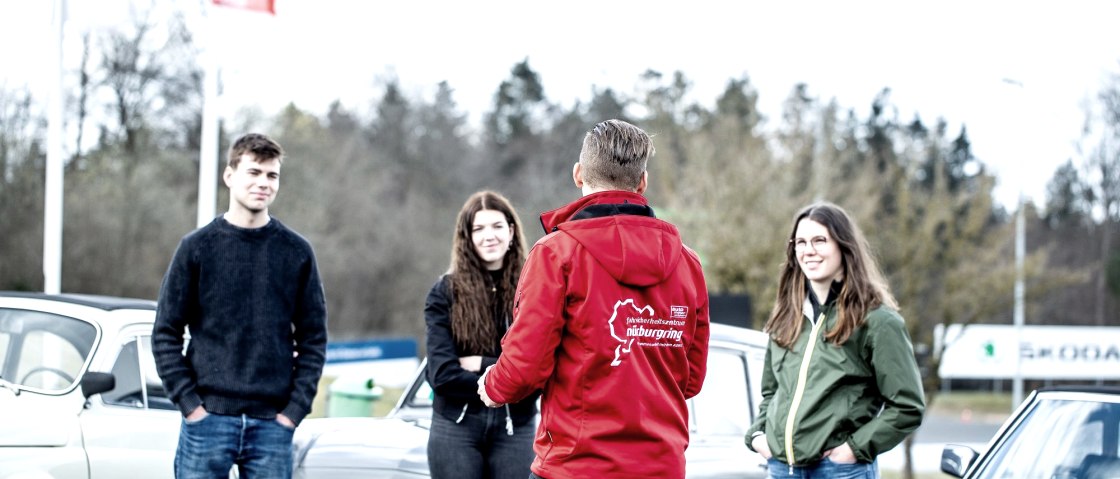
point(611, 321)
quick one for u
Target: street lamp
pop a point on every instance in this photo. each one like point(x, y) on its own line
point(53, 188)
point(1017, 318)
point(1018, 314)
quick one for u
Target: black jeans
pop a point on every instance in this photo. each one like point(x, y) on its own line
point(478, 447)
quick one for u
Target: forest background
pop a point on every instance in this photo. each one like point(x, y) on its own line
point(375, 187)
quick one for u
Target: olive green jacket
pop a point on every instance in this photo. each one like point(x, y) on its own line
point(866, 392)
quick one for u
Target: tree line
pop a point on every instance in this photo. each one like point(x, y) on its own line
point(375, 187)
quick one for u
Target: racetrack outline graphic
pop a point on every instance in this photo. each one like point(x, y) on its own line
point(624, 341)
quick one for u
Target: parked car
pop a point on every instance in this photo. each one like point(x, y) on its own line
point(79, 394)
point(1057, 433)
point(396, 446)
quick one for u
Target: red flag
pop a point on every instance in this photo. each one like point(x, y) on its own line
point(267, 6)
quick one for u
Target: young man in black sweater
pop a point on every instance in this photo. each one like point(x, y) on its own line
point(247, 290)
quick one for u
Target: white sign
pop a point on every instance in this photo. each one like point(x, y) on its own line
point(990, 351)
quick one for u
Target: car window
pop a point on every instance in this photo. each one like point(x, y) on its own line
point(137, 384)
point(422, 396)
point(126, 371)
point(1060, 439)
point(157, 395)
point(722, 407)
point(41, 351)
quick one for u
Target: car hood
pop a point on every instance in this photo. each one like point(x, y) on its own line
point(366, 444)
point(32, 419)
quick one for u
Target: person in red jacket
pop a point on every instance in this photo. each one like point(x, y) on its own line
point(610, 321)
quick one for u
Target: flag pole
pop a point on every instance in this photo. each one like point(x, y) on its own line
point(208, 150)
point(52, 201)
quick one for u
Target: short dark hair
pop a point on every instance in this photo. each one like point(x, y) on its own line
point(615, 154)
point(259, 145)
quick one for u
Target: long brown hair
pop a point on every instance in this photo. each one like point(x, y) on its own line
point(864, 287)
point(473, 305)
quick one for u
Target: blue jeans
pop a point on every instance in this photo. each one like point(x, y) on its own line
point(478, 447)
point(210, 447)
point(825, 469)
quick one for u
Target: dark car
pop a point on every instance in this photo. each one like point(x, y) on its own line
point(396, 446)
point(1057, 433)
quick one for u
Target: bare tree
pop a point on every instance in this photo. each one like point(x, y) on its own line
point(127, 201)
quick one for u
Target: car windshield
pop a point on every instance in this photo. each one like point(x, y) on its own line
point(41, 351)
point(1061, 438)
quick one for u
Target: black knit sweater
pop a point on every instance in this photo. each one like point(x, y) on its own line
point(256, 314)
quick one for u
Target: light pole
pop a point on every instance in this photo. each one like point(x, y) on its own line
point(1018, 314)
point(53, 190)
point(208, 149)
point(1020, 252)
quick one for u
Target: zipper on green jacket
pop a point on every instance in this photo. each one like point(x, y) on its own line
point(799, 391)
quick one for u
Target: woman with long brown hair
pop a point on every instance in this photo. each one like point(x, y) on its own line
point(466, 314)
point(840, 384)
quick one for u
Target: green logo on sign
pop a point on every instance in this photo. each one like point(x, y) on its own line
point(989, 349)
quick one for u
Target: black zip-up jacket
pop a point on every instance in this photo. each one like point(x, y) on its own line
point(454, 386)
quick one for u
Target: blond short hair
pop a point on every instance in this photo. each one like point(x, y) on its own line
point(615, 154)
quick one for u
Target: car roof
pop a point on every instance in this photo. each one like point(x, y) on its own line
point(106, 303)
point(736, 334)
point(1081, 388)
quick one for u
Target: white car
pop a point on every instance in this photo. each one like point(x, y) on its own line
point(396, 446)
point(1059, 432)
point(79, 394)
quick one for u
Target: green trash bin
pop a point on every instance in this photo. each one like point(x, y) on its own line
point(353, 397)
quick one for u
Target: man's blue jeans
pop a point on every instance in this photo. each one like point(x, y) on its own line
point(478, 447)
point(825, 469)
point(210, 447)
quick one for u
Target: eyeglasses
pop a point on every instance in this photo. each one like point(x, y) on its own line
point(816, 243)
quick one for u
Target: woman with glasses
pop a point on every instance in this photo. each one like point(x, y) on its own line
point(840, 384)
point(467, 312)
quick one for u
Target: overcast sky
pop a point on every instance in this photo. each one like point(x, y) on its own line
point(947, 59)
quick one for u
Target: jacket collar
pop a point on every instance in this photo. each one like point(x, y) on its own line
point(595, 205)
point(812, 303)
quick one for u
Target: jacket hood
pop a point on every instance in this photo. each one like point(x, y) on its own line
point(619, 230)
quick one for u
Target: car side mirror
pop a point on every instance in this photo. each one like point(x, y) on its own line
point(956, 459)
point(97, 382)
